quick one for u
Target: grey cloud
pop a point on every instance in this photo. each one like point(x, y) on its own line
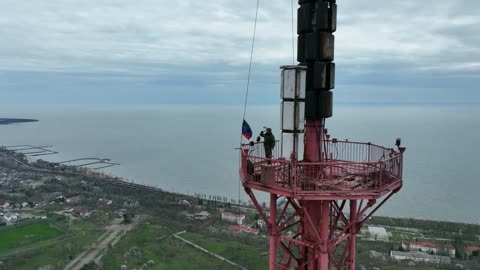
point(209, 41)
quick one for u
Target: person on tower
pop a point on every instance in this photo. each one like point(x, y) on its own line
point(268, 142)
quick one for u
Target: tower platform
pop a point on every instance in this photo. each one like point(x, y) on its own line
point(349, 170)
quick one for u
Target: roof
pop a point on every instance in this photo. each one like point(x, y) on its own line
point(472, 248)
point(377, 230)
point(228, 214)
point(425, 244)
point(242, 228)
point(79, 209)
point(418, 254)
point(449, 247)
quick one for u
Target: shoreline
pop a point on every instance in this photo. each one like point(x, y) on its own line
point(98, 175)
point(10, 121)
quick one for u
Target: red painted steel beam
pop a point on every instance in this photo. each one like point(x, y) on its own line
point(353, 231)
point(273, 231)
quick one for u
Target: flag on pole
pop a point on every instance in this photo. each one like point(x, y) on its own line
point(246, 130)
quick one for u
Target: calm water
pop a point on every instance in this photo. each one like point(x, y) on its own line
point(191, 148)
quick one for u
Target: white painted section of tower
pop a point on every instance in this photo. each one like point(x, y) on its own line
point(292, 115)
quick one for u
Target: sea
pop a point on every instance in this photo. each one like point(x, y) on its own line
point(193, 148)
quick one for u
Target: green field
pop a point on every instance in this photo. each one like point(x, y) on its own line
point(243, 254)
point(61, 250)
point(27, 235)
point(156, 243)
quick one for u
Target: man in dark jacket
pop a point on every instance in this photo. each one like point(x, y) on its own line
point(268, 142)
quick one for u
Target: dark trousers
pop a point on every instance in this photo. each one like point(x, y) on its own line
point(268, 152)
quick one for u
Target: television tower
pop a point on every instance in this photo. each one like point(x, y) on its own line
point(322, 190)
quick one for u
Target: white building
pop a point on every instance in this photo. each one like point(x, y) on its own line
point(418, 256)
point(12, 218)
point(185, 202)
point(204, 215)
point(377, 234)
point(429, 248)
point(261, 224)
point(232, 218)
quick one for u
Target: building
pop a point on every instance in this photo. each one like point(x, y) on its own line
point(261, 224)
point(12, 218)
point(184, 202)
point(80, 212)
point(204, 215)
point(60, 199)
point(74, 199)
point(450, 250)
point(431, 248)
point(377, 234)
point(418, 256)
point(243, 228)
point(105, 201)
point(232, 218)
point(131, 203)
point(471, 249)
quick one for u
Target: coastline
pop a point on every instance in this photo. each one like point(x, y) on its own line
point(108, 178)
point(10, 121)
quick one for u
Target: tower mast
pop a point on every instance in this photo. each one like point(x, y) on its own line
point(330, 187)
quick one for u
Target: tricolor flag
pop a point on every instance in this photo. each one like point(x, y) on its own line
point(246, 130)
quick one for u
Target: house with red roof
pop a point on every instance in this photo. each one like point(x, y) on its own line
point(233, 218)
point(471, 249)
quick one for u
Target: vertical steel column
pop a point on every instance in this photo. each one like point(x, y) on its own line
point(324, 233)
point(352, 241)
point(273, 232)
point(312, 147)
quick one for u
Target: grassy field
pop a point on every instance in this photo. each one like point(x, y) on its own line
point(245, 255)
point(61, 252)
point(26, 235)
point(155, 243)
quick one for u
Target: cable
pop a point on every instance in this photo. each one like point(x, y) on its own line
point(250, 64)
point(245, 108)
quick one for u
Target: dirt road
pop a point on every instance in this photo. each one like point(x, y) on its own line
point(95, 252)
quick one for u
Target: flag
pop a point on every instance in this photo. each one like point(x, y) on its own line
point(246, 130)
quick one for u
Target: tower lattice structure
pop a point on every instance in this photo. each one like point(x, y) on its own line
point(322, 190)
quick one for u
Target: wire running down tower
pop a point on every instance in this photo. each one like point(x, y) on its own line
point(329, 187)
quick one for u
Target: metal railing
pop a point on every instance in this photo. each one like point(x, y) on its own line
point(347, 166)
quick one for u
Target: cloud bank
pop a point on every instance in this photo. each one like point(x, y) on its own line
point(160, 51)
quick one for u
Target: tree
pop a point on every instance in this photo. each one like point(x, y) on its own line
point(127, 218)
point(459, 248)
point(89, 266)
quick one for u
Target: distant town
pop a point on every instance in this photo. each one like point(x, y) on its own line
point(55, 216)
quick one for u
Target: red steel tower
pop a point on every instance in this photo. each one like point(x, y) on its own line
point(322, 190)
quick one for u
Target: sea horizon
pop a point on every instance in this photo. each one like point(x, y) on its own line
point(155, 143)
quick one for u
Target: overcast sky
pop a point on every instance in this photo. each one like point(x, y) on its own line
point(157, 51)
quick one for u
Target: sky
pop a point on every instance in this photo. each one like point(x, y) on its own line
point(197, 52)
